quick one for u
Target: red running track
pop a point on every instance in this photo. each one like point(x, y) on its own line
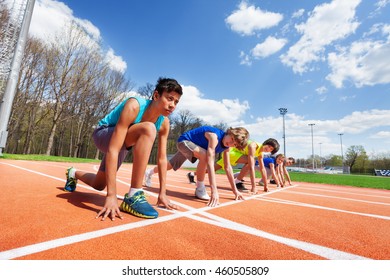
point(302, 222)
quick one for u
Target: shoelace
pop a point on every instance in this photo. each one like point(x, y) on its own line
point(139, 198)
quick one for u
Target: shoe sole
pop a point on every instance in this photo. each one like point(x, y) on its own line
point(126, 208)
point(202, 198)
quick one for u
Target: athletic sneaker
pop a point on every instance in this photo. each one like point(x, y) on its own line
point(71, 181)
point(191, 177)
point(201, 193)
point(261, 183)
point(148, 178)
point(240, 186)
point(272, 182)
point(138, 206)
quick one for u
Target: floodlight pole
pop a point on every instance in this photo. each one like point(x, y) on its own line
point(320, 156)
point(312, 142)
point(10, 90)
point(283, 112)
point(341, 145)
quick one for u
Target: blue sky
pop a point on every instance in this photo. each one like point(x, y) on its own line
point(327, 62)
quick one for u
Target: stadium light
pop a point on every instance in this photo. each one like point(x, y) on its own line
point(312, 142)
point(341, 145)
point(283, 112)
point(320, 156)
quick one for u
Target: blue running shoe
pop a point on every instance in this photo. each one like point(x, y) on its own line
point(138, 206)
point(71, 181)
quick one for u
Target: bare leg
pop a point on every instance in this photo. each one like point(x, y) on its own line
point(96, 181)
point(169, 167)
point(141, 136)
point(243, 172)
point(202, 165)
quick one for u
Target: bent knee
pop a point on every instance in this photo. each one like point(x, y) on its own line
point(148, 129)
point(99, 186)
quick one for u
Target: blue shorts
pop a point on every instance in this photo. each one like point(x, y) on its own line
point(102, 136)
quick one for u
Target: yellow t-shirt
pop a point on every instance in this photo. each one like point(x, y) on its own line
point(235, 154)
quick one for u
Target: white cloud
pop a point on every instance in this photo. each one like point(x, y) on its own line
point(382, 3)
point(245, 59)
point(381, 135)
point(321, 90)
point(228, 111)
point(115, 62)
point(326, 24)
point(249, 19)
point(298, 13)
point(270, 46)
point(49, 19)
point(298, 134)
point(364, 63)
point(345, 98)
point(88, 27)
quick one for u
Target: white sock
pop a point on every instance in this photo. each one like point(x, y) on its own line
point(199, 184)
point(72, 173)
point(132, 191)
point(237, 181)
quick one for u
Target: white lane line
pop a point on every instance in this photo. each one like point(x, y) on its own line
point(342, 198)
point(325, 252)
point(216, 220)
point(366, 194)
point(295, 203)
point(322, 251)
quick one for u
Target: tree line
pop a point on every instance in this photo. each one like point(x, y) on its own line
point(355, 161)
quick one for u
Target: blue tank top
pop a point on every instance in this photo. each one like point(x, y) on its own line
point(111, 119)
point(197, 137)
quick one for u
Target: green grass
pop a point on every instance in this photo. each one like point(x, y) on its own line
point(363, 181)
point(47, 158)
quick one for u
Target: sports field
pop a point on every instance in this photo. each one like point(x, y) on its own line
point(305, 221)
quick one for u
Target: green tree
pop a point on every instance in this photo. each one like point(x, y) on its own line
point(355, 155)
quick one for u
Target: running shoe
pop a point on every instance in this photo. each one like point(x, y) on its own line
point(261, 183)
point(240, 186)
point(201, 193)
point(71, 181)
point(148, 178)
point(191, 177)
point(138, 206)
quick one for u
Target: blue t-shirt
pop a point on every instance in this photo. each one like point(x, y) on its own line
point(267, 161)
point(197, 137)
point(111, 119)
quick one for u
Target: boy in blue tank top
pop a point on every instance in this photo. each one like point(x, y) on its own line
point(133, 124)
point(204, 143)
